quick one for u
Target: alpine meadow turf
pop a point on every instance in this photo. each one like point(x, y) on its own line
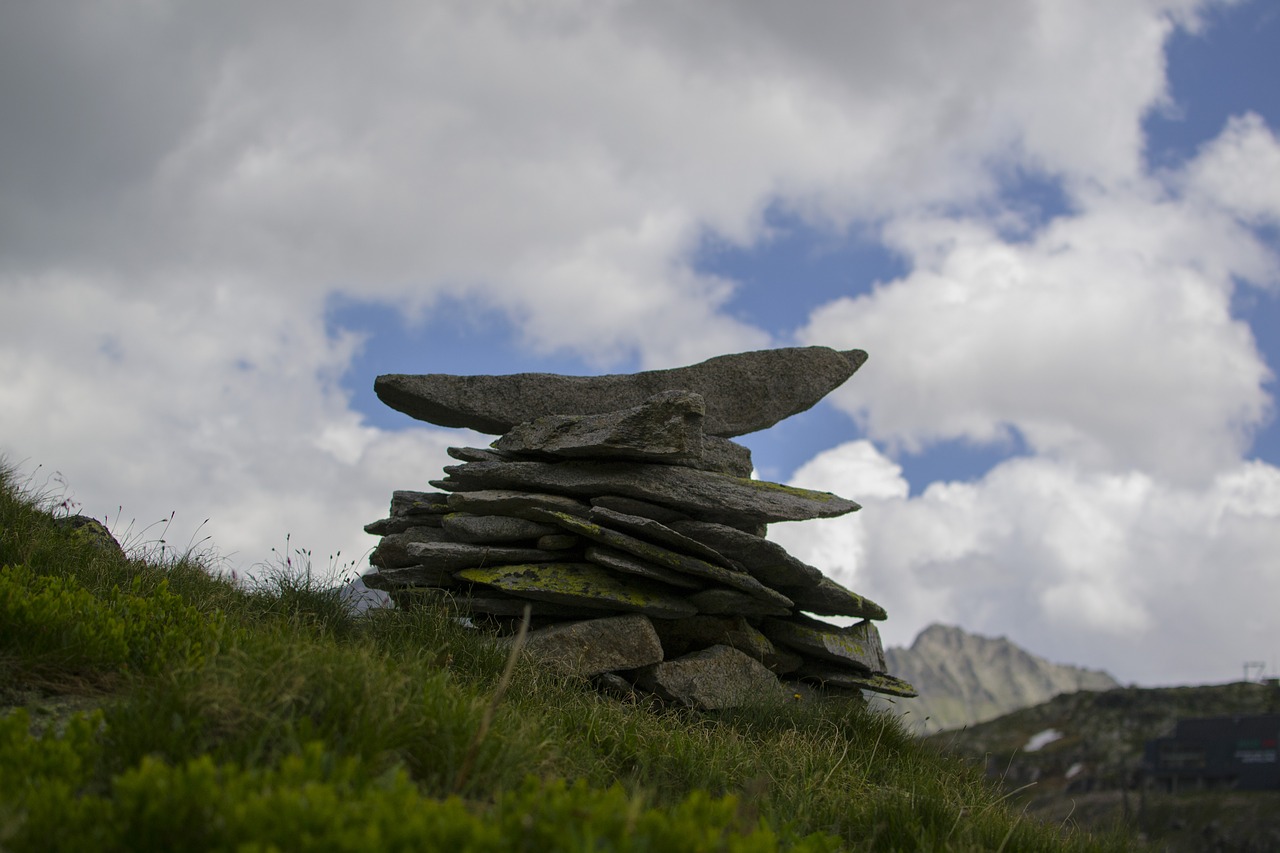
point(148, 703)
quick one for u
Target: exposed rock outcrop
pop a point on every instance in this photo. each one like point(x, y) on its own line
point(616, 509)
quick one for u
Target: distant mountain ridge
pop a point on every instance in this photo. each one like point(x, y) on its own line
point(966, 678)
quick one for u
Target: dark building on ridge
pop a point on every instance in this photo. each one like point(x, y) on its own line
point(1237, 752)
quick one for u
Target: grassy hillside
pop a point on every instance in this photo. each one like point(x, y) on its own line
point(146, 704)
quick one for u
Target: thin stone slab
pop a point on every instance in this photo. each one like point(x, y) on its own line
point(406, 502)
point(559, 541)
point(665, 428)
point(702, 494)
point(393, 551)
point(582, 585)
point(743, 393)
point(721, 602)
point(714, 678)
point(656, 531)
point(725, 457)
point(460, 555)
point(597, 646)
point(829, 598)
point(517, 504)
point(479, 454)
point(717, 454)
point(768, 562)
point(401, 524)
point(663, 557)
point(644, 509)
point(502, 605)
point(477, 529)
point(856, 646)
point(620, 561)
point(410, 576)
point(878, 682)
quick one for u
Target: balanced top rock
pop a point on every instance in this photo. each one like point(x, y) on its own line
point(744, 393)
point(618, 514)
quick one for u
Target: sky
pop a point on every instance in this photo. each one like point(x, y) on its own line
point(1054, 225)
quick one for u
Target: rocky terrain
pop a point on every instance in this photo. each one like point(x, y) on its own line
point(1078, 756)
point(966, 678)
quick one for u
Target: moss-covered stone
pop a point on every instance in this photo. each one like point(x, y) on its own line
point(828, 598)
point(877, 682)
point(661, 556)
point(857, 646)
point(582, 584)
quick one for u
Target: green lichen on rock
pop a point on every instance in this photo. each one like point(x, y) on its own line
point(857, 646)
point(877, 682)
point(828, 598)
point(582, 584)
point(663, 557)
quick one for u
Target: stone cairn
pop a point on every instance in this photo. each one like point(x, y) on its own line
point(619, 512)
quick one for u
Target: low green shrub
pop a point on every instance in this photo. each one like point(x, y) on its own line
point(317, 800)
point(55, 622)
point(26, 761)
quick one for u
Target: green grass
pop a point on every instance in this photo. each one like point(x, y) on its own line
point(148, 704)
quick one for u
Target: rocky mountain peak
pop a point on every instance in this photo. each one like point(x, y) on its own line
point(967, 678)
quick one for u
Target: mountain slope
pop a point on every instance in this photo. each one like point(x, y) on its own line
point(966, 678)
point(1078, 757)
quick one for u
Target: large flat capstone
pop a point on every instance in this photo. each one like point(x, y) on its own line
point(744, 392)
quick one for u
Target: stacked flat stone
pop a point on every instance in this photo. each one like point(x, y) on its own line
point(618, 510)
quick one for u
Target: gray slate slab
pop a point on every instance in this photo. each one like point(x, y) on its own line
point(406, 502)
point(401, 524)
point(665, 428)
point(620, 561)
point(878, 682)
point(460, 555)
point(517, 504)
point(558, 541)
point(392, 551)
point(702, 494)
point(495, 604)
point(856, 646)
point(476, 529)
point(829, 598)
point(644, 509)
point(656, 531)
point(725, 457)
point(663, 557)
point(582, 585)
point(767, 561)
point(406, 576)
point(743, 393)
point(723, 602)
